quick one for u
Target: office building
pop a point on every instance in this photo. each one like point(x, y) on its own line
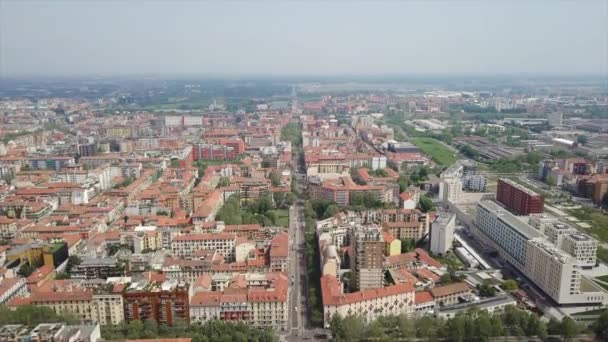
point(582, 247)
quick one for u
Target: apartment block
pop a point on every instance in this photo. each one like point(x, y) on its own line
point(368, 304)
point(164, 302)
point(442, 233)
point(255, 299)
point(518, 199)
point(186, 245)
point(367, 248)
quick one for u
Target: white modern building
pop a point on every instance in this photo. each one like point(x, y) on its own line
point(553, 270)
point(474, 183)
point(582, 247)
point(442, 233)
point(450, 185)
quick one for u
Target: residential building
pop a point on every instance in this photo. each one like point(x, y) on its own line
point(518, 199)
point(450, 185)
point(186, 245)
point(97, 268)
point(255, 299)
point(162, 301)
point(451, 294)
point(10, 288)
point(442, 233)
point(368, 304)
point(367, 248)
point(278, 253)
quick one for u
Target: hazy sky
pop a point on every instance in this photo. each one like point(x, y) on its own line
point(340, 37)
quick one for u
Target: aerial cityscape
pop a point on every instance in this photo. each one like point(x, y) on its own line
point(292, 195)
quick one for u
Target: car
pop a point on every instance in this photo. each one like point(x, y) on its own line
point(295, 309)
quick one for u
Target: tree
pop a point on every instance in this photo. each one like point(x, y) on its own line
point(62, 275)
point(582, 139)
point(457, 328)
point(407, 327)
point(600, 326)
point(353, 328)
point(407, 245)
point(425, 204)
point(569, 328)
point(509, 285)
point(375, 331)
point(496, 326)
point(275, 178)
point(535, 327)
point(26, 270)
point(403, 183)
point(135, 329)
point(445, 278)
point(486, 290)
point(224, 181)
point(554, 327)
point(331, 211)
point(150, 329)
point(551, 180)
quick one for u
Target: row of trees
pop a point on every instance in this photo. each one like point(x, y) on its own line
point(31, 316)
point(313, 275)
point(474, 325)
point(210, 331)
point(292, 132)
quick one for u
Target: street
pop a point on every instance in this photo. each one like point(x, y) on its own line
point(298, 307)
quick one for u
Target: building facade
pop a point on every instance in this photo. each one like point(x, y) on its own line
point(518, 199)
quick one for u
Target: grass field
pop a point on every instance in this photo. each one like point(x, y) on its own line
point(282, 217)
point(596, 219)
point(603, 278)
point(602, 285)
point(440, 153)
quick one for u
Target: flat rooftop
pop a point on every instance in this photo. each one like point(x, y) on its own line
point(510, 219)
point(519, 187)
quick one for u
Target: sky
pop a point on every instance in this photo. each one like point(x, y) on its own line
point(68, 38)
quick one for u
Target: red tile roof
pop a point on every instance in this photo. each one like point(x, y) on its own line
point(451, 289)
point(423, 297)
point(207, 236)
point(330, 289)
point(279, 247)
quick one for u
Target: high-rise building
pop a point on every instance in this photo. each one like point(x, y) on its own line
point(85, 150)
point(519, 199)
point(450, 186)
point(367, 247)
point(442, 233)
